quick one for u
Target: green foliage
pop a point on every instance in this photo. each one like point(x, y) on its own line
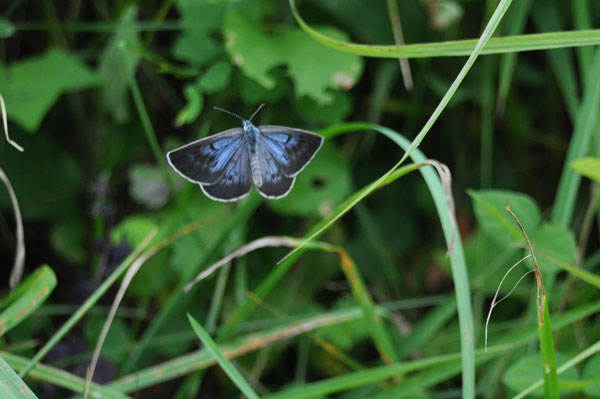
point(26, 298)
point(116, 65)
point(588, 167)
point(32, 86)
point(490, 209)
point(256, 54)
point(527, 370)
point(392, 300)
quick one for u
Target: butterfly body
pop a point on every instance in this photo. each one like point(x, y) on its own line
point(226, 165)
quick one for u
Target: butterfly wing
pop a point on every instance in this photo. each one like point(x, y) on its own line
point(292, 149)
point(204, 161)
point(271, 182)
point(234, 182)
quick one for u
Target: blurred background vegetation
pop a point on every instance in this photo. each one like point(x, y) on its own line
point(96, 93)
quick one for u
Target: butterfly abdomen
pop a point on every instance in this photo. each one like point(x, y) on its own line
point(252, 136)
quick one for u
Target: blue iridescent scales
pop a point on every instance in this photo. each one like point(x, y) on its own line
point(226, 165)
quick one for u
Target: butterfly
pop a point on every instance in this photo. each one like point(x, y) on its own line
point(226, 165)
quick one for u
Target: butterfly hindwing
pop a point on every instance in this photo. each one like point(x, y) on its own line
point(291, 148)
point(205, 160)
point(234, 182)
point(272, 183)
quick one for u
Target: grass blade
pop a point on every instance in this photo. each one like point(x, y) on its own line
point(11, 385)
point(61, 378)
point(510, 44)
point(225, 364)
point(587, 116)
point(26, 298)
point(87, 305)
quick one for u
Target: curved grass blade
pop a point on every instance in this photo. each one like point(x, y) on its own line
point(456, 258)
point(457, 48)
point(27, 297)
point(225, 364)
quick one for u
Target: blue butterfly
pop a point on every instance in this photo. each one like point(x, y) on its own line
point(227, 164)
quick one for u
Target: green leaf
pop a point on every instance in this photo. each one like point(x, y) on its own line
point(26, 298)
point(496, 222)
point(31, 87)
point(528, 369)
point(334, 112)
point(553, 243)
point(116, 65)
point(148, 186)
point(195, 44)
point(591, 371)
point(256, 53)
point(216, 78)
point(11, 385)
point(225, 364)
point(588, 167)
point(133, 230)
point(195, 101)
point(254, 94)
point(319, 187)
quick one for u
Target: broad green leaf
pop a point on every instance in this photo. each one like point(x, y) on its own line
point(216, 78)
point(588, 167)
point(148, 186)
point(195, 44)
point(116, 64)
point(553, 243)
point(528, 369)
point(28, 296)
point(256, 53)
point(195, 101)
point(32, 86)
point(323, 183)
point(494, 219)
point(591, 371)
point(11, 385)
point(334, 112)
point(253, 93)
point(195, 47)
point(133, 230)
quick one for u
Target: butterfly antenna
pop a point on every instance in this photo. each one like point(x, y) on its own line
point(230, 113)
point(256, 112)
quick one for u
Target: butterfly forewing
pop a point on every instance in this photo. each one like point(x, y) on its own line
point(234, 182)
point(291, 148)
point(204, 161)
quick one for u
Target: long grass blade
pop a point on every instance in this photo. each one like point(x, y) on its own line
point(511, 44)
point(587, 116)
point(225, 364)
